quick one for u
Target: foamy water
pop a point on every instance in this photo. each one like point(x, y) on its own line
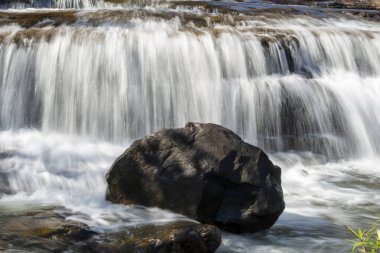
point(294, 87)
point(321, 197)
point(62, 170)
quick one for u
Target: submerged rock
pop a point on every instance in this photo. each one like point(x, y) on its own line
point(204, 171)
point(179, 237)
point(39, 229)
point(48, 229)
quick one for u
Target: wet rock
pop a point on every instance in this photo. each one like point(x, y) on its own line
point(204, 171)
point(362, 4)
point(48, 229)
point(179, 237)
point(5, 187)
point(39, 229)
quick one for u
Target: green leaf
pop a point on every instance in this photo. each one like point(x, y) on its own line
point(352, 231)
point(358, 244)
point(360, 234)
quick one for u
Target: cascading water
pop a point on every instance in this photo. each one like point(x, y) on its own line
point(303, 88)
point(78, 86)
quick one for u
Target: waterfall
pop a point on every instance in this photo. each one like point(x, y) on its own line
point(280, 84)
point(81, 79)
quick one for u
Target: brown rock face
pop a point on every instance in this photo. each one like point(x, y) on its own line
point(179, 237)
point(204, 171)
point(47, 229)
point(39, 229)
point(359, 4)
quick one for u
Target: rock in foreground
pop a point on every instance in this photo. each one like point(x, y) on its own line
point(179, 237)
point(36, 229)
point(204, 171)
point(39, 229)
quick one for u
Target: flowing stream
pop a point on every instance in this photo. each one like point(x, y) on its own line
point(80, 80)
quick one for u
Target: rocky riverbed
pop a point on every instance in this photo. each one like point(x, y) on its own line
point(31, 228)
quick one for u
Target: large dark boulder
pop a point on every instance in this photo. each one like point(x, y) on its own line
point(204, 171)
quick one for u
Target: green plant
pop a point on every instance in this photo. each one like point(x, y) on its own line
point(366, 240)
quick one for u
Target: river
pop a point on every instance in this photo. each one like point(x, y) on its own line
point(80, 80)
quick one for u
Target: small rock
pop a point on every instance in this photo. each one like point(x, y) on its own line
point(178, 237)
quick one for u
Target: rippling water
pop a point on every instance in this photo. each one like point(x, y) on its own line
point(77, 86)
point(321, 197)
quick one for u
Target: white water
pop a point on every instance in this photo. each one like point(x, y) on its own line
point(121, 82)
point(68, 171)
point(304, 89)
